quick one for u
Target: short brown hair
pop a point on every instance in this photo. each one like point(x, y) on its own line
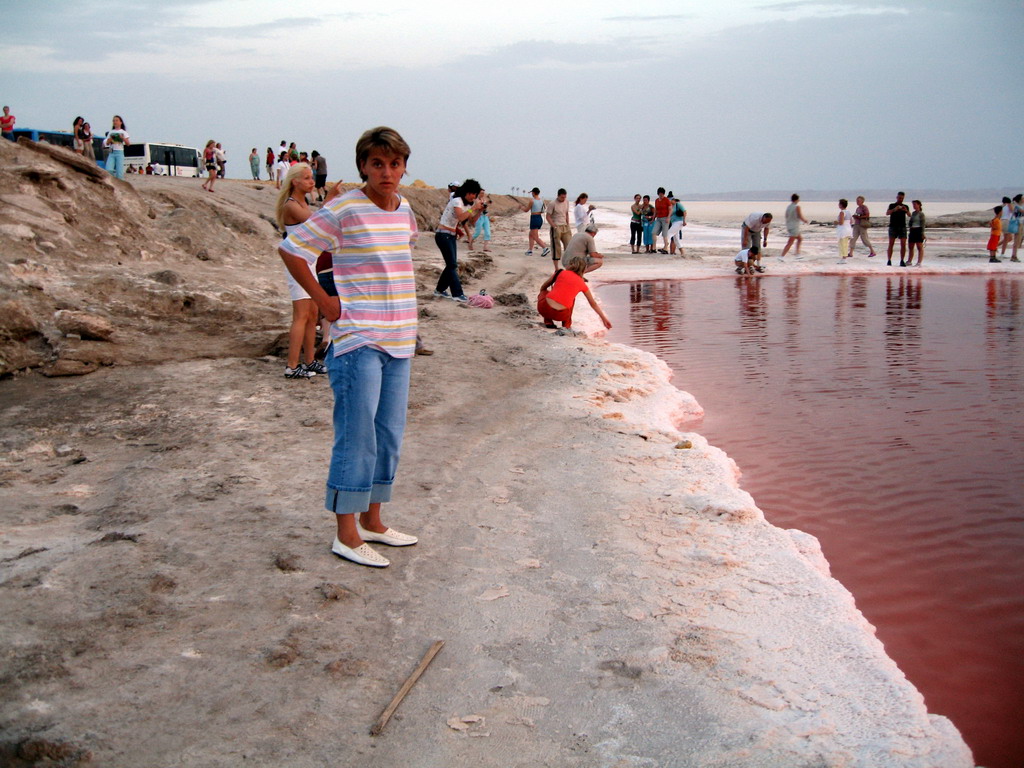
point(380, 137)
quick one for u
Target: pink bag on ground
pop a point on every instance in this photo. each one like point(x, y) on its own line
point(481, 300)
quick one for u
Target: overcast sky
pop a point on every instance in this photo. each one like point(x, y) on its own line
point(607, 97)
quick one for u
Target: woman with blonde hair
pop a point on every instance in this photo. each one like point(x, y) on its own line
point(557, 295)
point(291, 211)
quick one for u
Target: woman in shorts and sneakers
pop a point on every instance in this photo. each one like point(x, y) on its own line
point(536, 209)
point(292, 210)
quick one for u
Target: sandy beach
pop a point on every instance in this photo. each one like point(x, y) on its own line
point(606, 592)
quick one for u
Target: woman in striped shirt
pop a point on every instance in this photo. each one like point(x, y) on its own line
point(370, 232)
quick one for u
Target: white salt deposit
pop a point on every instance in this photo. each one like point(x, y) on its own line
point(751, 605)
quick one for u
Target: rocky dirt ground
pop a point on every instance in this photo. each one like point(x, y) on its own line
point(606, 594)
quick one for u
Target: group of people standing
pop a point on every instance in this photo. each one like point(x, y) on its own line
point(556, 214)
point(1006, 227)
point(115, 140)
point(666, 217)
point(906, 224)
point(285, 157)
point(81, 132)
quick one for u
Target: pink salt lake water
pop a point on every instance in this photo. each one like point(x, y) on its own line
point(883, 415)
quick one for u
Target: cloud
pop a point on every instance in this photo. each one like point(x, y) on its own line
point(831, 9)
point(87, 35)
point(549, 55)
point(666, 17)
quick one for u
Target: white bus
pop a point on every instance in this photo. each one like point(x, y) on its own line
point(167, 159)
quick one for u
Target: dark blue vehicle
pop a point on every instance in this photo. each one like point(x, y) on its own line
point(62, 139)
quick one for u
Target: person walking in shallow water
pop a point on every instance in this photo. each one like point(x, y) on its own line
point(844, 229)
point(794, 216)
point(861, 224)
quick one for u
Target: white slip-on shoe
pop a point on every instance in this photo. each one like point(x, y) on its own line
point(391, 537)
point(364, 554)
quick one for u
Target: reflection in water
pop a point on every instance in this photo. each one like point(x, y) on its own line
point(1002, 331)
point(753, 323)
point(882, 414)
point(902, 330)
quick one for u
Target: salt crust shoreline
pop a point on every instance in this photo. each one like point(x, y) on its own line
point(648, 614)
point(803, 644)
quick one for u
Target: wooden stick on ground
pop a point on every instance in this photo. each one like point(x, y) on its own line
point(406, 687)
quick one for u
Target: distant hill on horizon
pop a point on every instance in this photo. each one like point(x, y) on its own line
point(992, 196)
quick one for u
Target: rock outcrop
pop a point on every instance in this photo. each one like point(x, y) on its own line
point(95, 271)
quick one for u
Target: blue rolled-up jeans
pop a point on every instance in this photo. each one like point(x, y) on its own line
point(450, 274)
point(371, 396)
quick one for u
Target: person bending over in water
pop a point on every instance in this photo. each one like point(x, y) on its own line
point(558, 294)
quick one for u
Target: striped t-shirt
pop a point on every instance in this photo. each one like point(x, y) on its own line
point(372, 255)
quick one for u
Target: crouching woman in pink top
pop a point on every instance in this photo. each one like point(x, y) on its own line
point(369, 232)
point(558, 294)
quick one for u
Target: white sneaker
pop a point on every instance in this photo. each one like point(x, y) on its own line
point(298, 372)
point(364, 554)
